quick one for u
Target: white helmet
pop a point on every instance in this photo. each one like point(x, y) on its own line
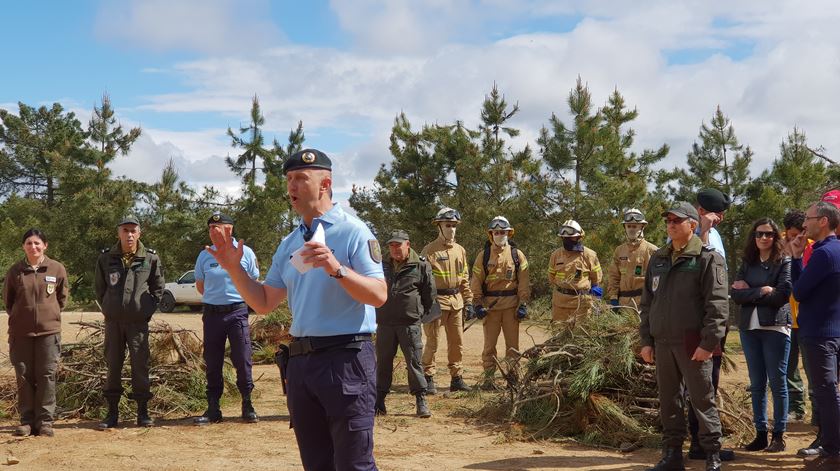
point(447, 214)
point(571, 228)
point(499, 222)
point(634, 216)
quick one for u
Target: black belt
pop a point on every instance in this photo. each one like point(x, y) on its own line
point(504, 292)
point(307, 345)
point(223, 308)
point(630, 294)
point(570, 292)
point(448, 291)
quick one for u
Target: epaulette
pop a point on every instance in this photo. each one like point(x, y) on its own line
point(105, 250)
point(151, 251)
point(708, 248)
point(422, 258)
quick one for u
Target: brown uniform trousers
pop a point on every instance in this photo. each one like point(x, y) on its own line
point(572, 275)
point(627, 272)
point(449, 268)
point(506, 290)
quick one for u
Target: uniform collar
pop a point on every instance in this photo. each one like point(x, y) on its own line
point(825, 241)
point(334, 215)
point(42, 267)
point(692, 248)
point(116, 250)
point(443, 241)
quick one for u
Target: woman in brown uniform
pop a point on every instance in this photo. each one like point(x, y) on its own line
point(35, 291)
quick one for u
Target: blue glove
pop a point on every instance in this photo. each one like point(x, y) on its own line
point(469, 312)
point(614, 302)
point(522, 312)
point(480, 312)
point(596, 291)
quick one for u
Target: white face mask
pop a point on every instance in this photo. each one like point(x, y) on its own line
point(633, 233)
point(500, 240)
point(448, 232)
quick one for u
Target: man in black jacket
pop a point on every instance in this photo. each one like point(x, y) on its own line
point(411, 294)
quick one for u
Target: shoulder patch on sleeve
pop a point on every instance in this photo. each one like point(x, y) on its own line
point(720, 277)
point(375, 251)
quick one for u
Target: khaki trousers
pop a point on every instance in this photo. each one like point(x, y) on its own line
point(452, 321)
point(499, 320)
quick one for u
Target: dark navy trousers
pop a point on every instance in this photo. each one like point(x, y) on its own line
point(330, 398)
point(219, 328)
point(823, 355)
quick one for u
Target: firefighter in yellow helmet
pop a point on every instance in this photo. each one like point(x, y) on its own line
point(575, 273)
point(452, 280)
point(630, 262)
point(501, 290)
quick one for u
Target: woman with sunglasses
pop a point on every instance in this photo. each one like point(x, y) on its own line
point(762, 287)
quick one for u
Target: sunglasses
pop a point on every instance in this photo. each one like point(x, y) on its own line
point(765, 235)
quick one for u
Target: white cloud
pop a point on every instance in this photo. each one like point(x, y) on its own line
point(210, 26)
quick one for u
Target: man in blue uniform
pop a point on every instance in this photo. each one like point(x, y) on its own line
point(331, 379)
point(225, 318)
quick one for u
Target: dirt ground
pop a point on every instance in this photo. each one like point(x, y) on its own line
point(448, 440)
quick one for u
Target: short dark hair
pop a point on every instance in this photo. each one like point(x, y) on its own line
point(34, 232)
point(751, 254)
point(794, 220)
point(830, 212)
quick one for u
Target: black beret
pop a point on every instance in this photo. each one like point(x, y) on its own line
point(682, 209)
point(307, 158)
point(220, 218)
point(713, 200)
point(129, 220)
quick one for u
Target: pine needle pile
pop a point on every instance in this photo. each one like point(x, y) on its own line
point(267, 332)
point(587, 382)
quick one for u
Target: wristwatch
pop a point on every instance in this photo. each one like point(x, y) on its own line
point(340, 273)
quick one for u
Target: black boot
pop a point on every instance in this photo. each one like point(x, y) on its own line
point(672, 460)
point(423, 407)
point(212, 415)
point(430, 385)
point(759, 443)
point(695, 451)
point(249, 415)
point(113, 417)
point(379, 407)
point(457, 384)
point(777, 443)
point(143, 419)
point(713, 462)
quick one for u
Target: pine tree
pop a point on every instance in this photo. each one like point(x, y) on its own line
point(107, 137)
point(252, 144)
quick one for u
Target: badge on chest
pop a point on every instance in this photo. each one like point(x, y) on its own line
point(114, 278)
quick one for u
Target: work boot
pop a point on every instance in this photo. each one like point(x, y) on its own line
point(777, 443)
point(46, 430)
point(249, 415)
point(759, 443)
point(695, 451)
point(379, 406)
point(457, 384)
point(143, 419)
point(423, 407)
point(23, 430)
point(113, 417)
point(672, 460)
point(713, 462)
point(212, 415)
point(431, 390)
point(813, 449)
point(823, 463)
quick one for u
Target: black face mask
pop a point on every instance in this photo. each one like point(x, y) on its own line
point(572, 244)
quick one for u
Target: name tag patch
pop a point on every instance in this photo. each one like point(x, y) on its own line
point(50, 279)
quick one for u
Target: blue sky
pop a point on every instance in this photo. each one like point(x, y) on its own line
point(185, 70)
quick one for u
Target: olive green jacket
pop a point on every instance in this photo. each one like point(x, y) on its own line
point(411, 291)
point(129, 294)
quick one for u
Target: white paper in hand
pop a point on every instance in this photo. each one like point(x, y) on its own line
point(297, 260)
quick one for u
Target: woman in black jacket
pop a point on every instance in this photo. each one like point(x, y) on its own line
point(762, 287)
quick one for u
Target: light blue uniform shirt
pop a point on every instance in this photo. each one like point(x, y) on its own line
point(716, 242)
point(218, 287)
point(319, 305)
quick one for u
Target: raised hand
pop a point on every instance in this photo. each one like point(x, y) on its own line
point(228, 256)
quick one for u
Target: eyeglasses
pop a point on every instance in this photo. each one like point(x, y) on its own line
point(765, 235)
point(675, 221)
point(814, 217)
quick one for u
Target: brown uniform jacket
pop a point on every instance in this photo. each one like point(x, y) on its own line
point(501, 276)
point(572, 270)
point(628, 268)
point(449, 267)
point(34, 298)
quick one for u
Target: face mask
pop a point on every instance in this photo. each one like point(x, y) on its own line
point(448, 233)
point(500, 240)
point(633, 234)
point(571, 244)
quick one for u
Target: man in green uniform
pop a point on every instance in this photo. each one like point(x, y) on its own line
point(129, 283)
point(681, 335)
